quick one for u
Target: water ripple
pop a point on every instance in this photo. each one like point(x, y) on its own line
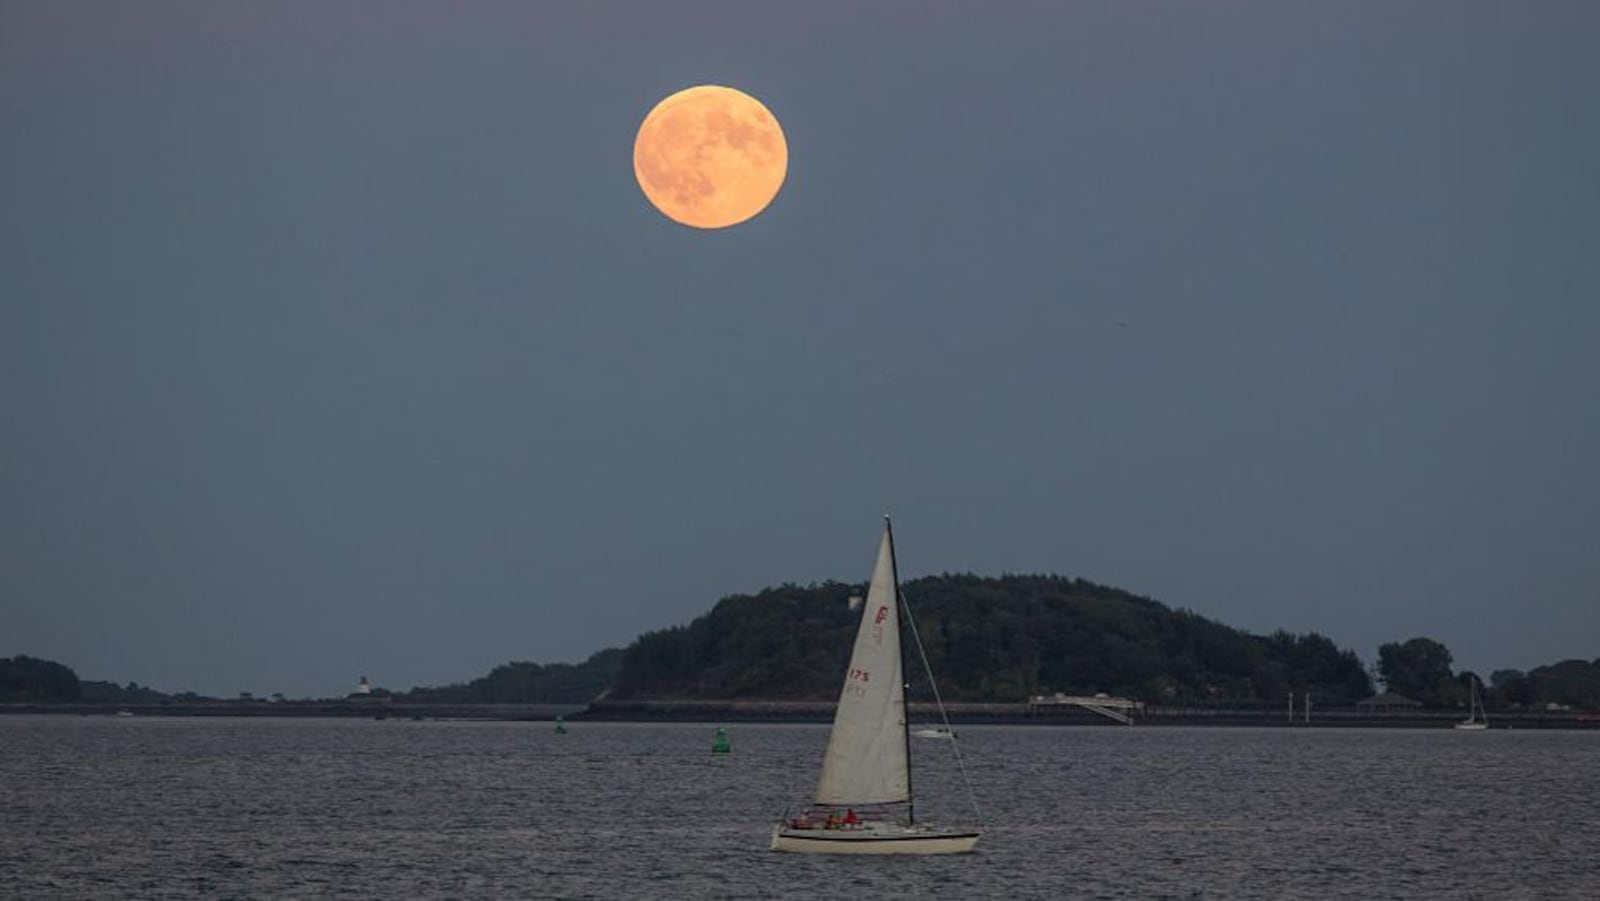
point(172, 808)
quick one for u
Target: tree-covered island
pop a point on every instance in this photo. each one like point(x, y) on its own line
point(1002, 639)
point(988, 639)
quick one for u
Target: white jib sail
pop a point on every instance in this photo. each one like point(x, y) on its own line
point(866, 758)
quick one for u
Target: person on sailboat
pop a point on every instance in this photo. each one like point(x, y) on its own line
point(850, 818)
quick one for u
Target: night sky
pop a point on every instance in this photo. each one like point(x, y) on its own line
point(337, 339)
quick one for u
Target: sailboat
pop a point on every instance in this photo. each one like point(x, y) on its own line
point(864, 803)
point(1477, 718)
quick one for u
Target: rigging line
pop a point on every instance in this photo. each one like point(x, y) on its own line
point(955, 746)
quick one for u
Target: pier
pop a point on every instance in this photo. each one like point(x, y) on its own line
point(1119, 709)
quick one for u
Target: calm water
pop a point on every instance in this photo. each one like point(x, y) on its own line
point(149, 807)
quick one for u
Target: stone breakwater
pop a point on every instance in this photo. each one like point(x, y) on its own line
point(1026, 714)
point(374, 709)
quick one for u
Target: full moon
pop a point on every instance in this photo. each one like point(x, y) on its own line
point(710, 156)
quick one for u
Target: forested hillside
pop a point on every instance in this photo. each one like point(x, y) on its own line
point(26, 679)
point(989, 639)
point(520, 682)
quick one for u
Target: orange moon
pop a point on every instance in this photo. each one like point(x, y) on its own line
point(710, 156)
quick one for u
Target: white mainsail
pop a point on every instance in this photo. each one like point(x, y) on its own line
point(866, 760)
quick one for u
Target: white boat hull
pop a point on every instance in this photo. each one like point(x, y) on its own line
point(872, 841)
point(1472, 727)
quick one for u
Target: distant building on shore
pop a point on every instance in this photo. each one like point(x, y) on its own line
point(366, 694)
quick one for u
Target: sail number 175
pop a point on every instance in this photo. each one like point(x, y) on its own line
point(857, 683)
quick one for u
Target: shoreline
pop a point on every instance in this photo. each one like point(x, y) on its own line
point(1023, 714)
point(712, 712)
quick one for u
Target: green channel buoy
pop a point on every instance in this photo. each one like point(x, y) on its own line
point(561, 727)
point(719, 745)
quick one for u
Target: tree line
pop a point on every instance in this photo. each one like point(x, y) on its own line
point(30, 680)
point(1420, 669)
point(521, 682)
point(987, 639)
point(1012, 637)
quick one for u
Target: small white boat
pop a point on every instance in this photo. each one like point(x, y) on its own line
point(933, 732)
point(1477, 719)
point(867, 766)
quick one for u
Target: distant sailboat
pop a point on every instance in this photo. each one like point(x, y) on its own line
point(864, 803)
point(1477, 718)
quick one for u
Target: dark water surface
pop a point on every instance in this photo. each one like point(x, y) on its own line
point(152, 807)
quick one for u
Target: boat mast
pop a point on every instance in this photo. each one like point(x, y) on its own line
point(905, 719)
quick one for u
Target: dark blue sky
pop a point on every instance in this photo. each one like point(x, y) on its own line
point(336, 339)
